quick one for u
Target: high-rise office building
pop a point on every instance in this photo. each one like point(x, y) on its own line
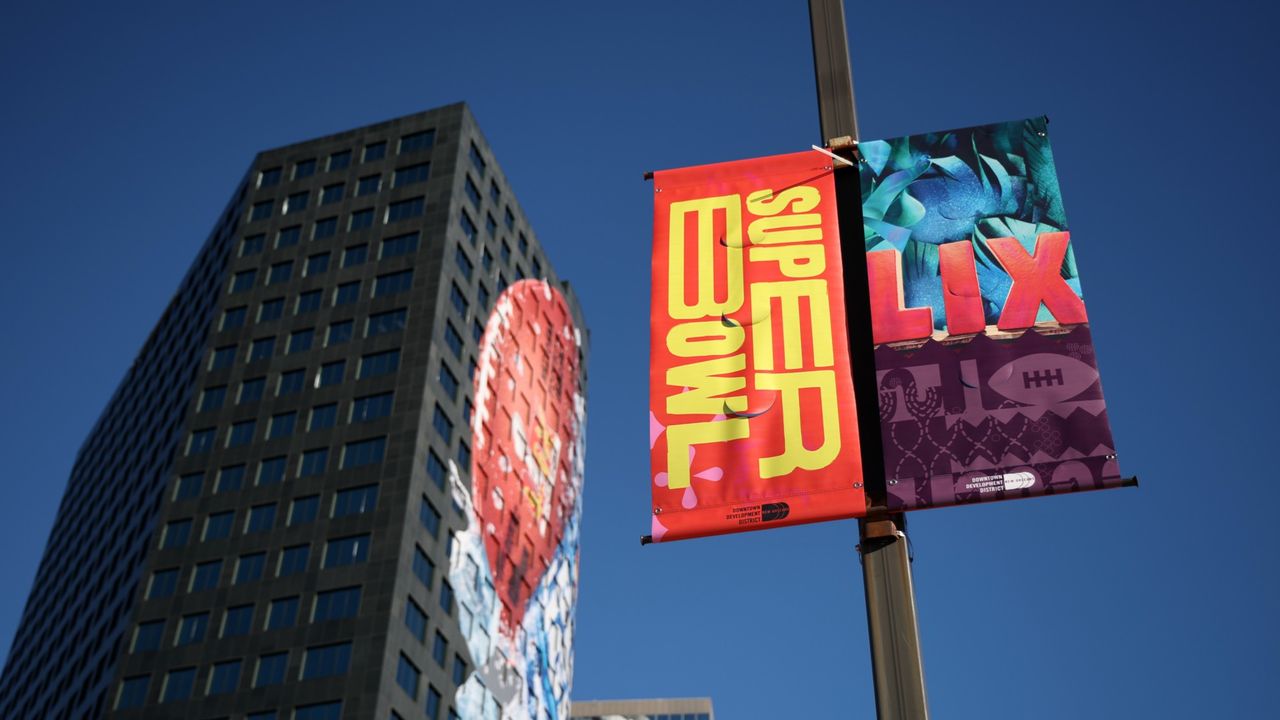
point(342, 477)
point(665, 709)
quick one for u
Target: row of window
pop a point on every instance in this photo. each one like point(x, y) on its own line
point(339, 332)
point(389, 247)
point(341, 160)
point(338, 552)
point(356, 220)
point(221, 525)
point(238, 620)
point(225, 677)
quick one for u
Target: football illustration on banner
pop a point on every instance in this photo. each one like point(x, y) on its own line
point(514, 568)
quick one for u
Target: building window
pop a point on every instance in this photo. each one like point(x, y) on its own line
point(361, 219)
point(241, 433)
point(314, 462)
point(223, 357)
point(243, 280)
point(296, 203)
point(322, 711)
point(448, 382)
point(326, 661)
point(282, 613)
point(463, 262)
point(386, 322)
point(237, 621)
point(423, 568)
point(331, 373)
point(375, 151)
point(176, 534)
point(495, 193)
point(399, 245)
point(505, 252)
point(262, 348)
point(251, 245)
point(261, 210)
point(271, 309)
point(355, 255)
point(410, 175)
point(371, 407)
point(178, 685)
point(490, 225)
point(433, 703)
point(446, 593)
point(407, 676)
point(304, 510)
point(453, 340)
point(440, 649)
point(189, 486)
point(508, 219)
point(443, 425)
point(468, 226)
point(212, 398)
point(369, 185)
point(325, 227)
point(292, 381)
point(323, 416)
point(393, 283)
point(261, 518)
point(466, 409)
point(464, 454)
point(378, 364)
point(271, 470)
point(346, 293)
point(417, 141)
point(477, 330)
point(458, 299)
point(355, 501)
point(293, 560)
point(163, 583)
point(233, 318)
point(459, 670)
point(363, 452)
point(339, 332)
point(317, 264)
point(477, 160)
point(405, 209)
point(271, 669)
point(288, 237)
point(263, 715)
point(218, 525)
point(429, 516)
point(310, 301)
point(332, 193)
point(336, 604)
point(346, 551)
point(340, 160)
point(249, 568)
point(147, 636)
point(191, 629)
point(205, 576)
point(537, 268)
point(251, 390)
point(201, 442)
point(269, 177)
point(435, 469)
point(415, 620)
point(224, 677)
point(230, 479)
point(280, 272)
point(304, 169)
point(281, 425)
point(473, 193)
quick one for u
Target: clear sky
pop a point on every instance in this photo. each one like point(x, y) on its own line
point(126, 128)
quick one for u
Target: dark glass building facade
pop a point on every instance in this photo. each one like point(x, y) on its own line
point(342, 477)
point(664, 709)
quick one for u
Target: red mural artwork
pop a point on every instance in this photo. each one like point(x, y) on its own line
point(525, 426)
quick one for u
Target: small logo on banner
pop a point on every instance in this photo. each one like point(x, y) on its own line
point(774, 511)
point(984, 484)
point(755, 514)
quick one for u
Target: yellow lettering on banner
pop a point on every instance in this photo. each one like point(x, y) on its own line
point(706, 383)
point(681, 437)
point(705, 337)
point(795, 456)
point(706, 241)
point(786, 229)
point(794, 261)
point(802, 198)
point(789, 294)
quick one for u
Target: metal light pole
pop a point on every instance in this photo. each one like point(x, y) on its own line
point(886, 568)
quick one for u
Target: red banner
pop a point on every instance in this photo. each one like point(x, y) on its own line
point(751, 410)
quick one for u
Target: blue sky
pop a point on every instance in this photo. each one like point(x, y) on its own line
point(127, 127)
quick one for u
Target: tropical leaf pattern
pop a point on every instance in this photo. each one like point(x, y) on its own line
point(968, 185)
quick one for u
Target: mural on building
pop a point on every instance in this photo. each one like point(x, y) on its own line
point(514, 569)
